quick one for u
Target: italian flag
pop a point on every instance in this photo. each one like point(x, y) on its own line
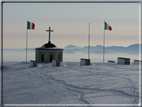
point(30, 25)
point(107, 27)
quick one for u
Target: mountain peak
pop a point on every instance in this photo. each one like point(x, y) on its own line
point(98, 46)
point(72, 47)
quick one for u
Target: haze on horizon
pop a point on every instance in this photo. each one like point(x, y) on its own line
point(70, 24)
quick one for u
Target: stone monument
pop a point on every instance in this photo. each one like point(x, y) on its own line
point(48, 52)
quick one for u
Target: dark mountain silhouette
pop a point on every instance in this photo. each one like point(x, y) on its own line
point(132, 49)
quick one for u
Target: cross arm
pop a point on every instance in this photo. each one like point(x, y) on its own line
point(49, 30)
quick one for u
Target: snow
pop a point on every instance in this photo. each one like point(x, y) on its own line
point(100, 83)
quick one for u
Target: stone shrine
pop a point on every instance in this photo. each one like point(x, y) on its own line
point(48, 52)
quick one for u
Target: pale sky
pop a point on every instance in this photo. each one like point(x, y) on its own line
point(70, 24)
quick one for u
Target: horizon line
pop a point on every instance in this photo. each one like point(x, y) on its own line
point(76, 46)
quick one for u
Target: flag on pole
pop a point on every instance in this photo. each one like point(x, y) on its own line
point(30, 25)
point(107, 27)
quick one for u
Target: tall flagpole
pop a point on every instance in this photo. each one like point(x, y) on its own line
point(26, 42)
point(1, 53)
point(104, 47)
point(108, 27)
point(89, 41)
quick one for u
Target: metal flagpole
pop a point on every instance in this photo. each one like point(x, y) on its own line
point(1, 53)
point(89, 41)
point(26, 42)
point(104, 47)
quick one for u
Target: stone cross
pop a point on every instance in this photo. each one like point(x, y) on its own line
point(49, 32)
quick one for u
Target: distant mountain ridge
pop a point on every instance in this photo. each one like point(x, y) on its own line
point(132, 49)
point(98, 49)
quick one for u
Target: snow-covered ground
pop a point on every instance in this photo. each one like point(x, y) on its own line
point(70, 83)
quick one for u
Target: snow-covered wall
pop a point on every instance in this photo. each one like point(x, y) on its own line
point(121, 61)
point(136, 61)
point(83, 62)
point(55, 63)
point(109, 61)
point(33, 63)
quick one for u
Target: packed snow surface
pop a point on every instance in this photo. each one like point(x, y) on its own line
point(107, 83)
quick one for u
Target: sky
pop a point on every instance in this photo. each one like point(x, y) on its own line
point(70, 24)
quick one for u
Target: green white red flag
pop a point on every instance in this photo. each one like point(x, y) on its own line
point(107, 27)
point(30, 25)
